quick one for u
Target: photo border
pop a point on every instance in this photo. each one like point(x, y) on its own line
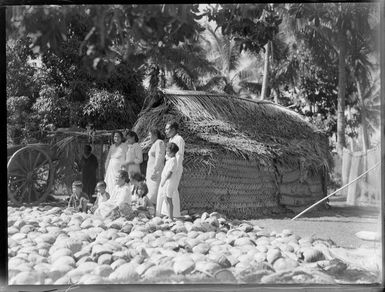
point(178, 287)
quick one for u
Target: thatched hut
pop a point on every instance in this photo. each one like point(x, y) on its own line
point(243, 158)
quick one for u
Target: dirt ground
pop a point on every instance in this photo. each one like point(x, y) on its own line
point(339, 223)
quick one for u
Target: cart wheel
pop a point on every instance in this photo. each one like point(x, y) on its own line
point(30, 175)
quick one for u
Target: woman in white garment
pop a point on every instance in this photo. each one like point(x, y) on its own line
point(134, 156)
point(115, 160)
point(155, 164)
point(171, 131)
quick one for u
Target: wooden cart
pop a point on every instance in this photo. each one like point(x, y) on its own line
point(31, 168)
point(30, 171)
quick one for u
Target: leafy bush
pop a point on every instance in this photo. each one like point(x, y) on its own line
point(17, 107)
point(22, 127)
point(52, 107)
point(108, 110)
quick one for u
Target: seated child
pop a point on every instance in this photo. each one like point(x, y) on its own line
point(101, 195)
point(135, 179)
point(143, 205)
point(78, 200)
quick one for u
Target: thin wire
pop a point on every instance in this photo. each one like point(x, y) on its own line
point(341, 188)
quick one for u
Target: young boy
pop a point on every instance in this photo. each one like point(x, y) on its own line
point(78, 199)
point(101, 195)
point(169, 182)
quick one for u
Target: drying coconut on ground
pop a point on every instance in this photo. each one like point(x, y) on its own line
point(243, 158)
point(51, 245)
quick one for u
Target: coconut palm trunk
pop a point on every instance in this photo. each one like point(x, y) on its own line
point(341, 92)
point(275, 94)
point(351, 140)
point(265, 71)
point(365, 138)
point(364, 128)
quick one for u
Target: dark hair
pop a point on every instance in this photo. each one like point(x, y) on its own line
point(88, 148)
point(143, 186)
point(77, 183)
point(137, 176)
point(173, 125)
point(156, 132)
point(120, 134)
point(101, 183)
point(123, 174)
point(172, 147)
point(133, 134)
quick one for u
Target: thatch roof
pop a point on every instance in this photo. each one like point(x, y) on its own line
point(259, 130)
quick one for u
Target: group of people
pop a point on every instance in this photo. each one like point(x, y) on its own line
point(125, 191)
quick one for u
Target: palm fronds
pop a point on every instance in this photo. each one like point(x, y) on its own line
point(216, 81)
point(69, 152)
point(187, 63)
point(232, 65)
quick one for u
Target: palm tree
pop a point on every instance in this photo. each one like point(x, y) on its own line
point(271, 11)
point(265, 70)
point(232, 66)
point(328, 26)
point(360, 67)
point(359, 74)
point(284, 63)
point(180, 65)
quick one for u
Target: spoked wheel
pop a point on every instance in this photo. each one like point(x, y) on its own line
point(30, 175)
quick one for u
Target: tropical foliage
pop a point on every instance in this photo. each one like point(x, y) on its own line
point(329, 29)
point(232, 67)
point(102, 64)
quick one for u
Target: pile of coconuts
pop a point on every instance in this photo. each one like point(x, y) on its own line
point(50, 245)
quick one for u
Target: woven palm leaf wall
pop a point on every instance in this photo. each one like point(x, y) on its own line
point(237, 188)
point(298, 190)
point(244, 189)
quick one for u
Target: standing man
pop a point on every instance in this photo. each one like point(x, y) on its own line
point(171, 131)
point(88, 166)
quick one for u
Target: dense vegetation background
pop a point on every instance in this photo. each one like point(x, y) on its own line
point(70, 66)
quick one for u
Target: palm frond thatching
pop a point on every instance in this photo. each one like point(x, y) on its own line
point(261, 130)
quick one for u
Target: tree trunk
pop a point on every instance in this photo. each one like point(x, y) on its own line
point(162, 79)
point(364, 129)
point(341, 92)
point(365, 138)
point(265, 71)
point(99, 19)
point(351, 140)
point(275, 94)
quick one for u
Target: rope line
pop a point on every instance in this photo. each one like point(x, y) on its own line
point(341, 188)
